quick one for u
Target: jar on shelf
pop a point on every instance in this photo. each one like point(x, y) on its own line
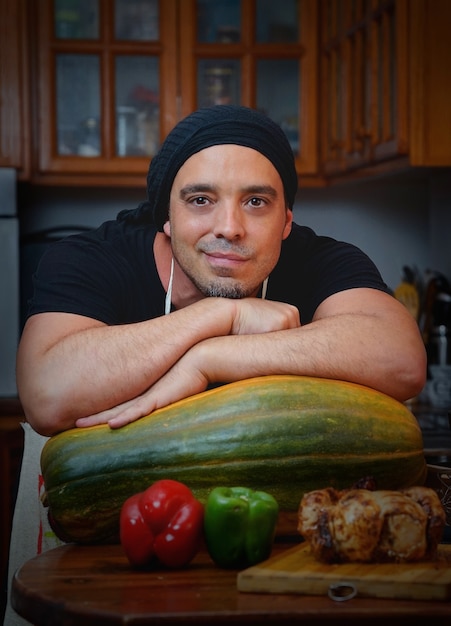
point(218, 85)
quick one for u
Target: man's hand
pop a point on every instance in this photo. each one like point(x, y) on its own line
point(184, 379)
point(254, 316)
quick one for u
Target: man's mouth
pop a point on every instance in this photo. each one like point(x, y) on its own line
point(226, 260)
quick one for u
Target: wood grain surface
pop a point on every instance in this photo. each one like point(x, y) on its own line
point(297, 571)
point(94, 585)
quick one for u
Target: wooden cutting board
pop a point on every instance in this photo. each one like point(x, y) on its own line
point(296, 571)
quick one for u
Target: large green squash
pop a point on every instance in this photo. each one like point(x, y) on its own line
point(282, 434)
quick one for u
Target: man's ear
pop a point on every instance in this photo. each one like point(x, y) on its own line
point(167, 228)
point(288, 224)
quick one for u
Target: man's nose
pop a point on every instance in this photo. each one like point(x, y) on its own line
point(229, 221)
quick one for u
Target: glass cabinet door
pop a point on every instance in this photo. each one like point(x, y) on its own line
point(278, 80)
point(281, 104)
point(218, 78)
point(101, 83)
point(137, 105)
point(78, 104)
point(79, 76)
point(77, 80)
point(259, 53)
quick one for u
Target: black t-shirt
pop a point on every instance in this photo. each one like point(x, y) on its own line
point(110, 274)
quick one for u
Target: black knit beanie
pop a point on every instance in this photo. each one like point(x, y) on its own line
point(222, 124)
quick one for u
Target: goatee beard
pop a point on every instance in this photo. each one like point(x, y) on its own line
point(216, 290)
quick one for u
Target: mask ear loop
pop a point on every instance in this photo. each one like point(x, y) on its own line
point(167, 302)
point(168, 299)
point(265, 288)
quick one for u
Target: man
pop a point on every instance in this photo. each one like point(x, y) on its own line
point(247, 292)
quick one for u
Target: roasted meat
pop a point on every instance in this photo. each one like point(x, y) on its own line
point(360, 525)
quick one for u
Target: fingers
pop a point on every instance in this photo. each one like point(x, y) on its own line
point(127, 417)
point(118, 416)
point(255, 316)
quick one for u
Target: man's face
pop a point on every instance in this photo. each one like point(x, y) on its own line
point(227, 220)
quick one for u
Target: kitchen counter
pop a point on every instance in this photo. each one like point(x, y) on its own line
point(94, 585)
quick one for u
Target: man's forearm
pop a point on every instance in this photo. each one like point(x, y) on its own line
point(358, 348)
point(89, 370)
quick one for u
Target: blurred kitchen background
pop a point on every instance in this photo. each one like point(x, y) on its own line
point(89, 89)
point(362, 88)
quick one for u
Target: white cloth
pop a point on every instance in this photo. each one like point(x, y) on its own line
point(31, 533)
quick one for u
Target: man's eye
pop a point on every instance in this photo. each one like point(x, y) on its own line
point(200, 200)
point(256, 202)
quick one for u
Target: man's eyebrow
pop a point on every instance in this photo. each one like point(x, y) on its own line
point(196, 188)
point(267, 190)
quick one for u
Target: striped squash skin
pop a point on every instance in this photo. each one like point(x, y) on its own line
point(283, 434)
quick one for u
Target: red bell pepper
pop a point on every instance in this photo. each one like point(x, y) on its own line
point(164, 522)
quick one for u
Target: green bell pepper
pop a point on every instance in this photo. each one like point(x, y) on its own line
point(239, 526)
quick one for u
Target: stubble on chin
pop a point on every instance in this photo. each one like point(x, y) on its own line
point(219, 290)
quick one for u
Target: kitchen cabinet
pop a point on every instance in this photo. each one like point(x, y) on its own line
point(112, 77)
point(385, 84)
point(90, 88)
point(104, 71)
point(364, 82)
point(14, 96)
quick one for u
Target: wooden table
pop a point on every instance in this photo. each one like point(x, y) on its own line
point(73, 585)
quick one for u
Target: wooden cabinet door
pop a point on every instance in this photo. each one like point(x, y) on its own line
point(14, 122)
point(430, 83)
point(106, 88)
point(364, 83)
